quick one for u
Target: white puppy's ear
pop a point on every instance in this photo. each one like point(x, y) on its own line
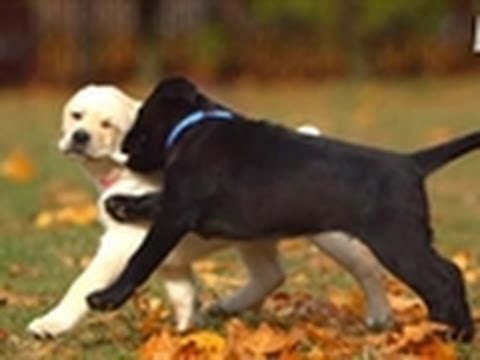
point(308, 129)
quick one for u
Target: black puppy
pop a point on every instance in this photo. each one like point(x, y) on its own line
point(231, 177)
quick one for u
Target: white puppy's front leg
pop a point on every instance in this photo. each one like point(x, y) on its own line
point(265, 275)
point(107, 264)
point(180, 286)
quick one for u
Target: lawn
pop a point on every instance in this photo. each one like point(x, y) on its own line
point(36, 265)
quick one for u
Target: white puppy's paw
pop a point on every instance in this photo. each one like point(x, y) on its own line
point(184, 326)
point(49, 326)
point(194, 321)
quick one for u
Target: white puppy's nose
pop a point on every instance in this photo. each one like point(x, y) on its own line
point(80, 137)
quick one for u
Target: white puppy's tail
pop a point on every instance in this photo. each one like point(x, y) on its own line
point(308, 129)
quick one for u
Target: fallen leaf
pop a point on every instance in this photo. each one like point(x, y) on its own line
point(472, 276)
point(412, 338)
point(70, 215)
point(405, 303)
point(152, 311)
point(462, 260)
point(17, 167)
point(202, 345)
point(11, 297)
point(162, 346)
point(24, 270)
point(261, 342)
point(335, 344)
point(352, 301)
point(44, 219)
point(438, 350)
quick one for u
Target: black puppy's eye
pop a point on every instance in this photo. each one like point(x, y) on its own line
point(77, 115)
point(106, 124)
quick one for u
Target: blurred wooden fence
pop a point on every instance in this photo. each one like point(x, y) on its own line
point(82, 39)
point(67, 41)
point(74, 41)
point(17, 41)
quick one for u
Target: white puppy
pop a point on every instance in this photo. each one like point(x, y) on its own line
point(95, 121)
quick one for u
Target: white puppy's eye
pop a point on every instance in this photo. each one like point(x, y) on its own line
point(77, 115)
point(106, 124)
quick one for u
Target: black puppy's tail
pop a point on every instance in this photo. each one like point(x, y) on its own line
point(435, 157)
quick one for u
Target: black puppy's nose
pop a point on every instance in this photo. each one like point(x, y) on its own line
point(81, 137)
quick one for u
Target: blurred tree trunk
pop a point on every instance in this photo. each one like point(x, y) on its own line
point(180, 16)
point(85, 40)
point(459, 26)
point(347, 23)
point(17, 42)
point(234, 14)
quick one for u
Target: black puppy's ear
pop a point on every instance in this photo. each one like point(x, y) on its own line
point(174, 88)
point(204, 103)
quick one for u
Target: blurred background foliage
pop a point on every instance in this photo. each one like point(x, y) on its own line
point(72, 41)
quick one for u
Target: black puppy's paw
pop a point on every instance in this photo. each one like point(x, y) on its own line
point(122, 208)
point(108, 299)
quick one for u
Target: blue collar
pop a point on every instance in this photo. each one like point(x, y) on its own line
point(194, 118)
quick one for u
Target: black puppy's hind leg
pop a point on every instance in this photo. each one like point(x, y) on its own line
point(162, 237)
point(410, 256)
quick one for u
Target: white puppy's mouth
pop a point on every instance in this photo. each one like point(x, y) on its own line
point(85, 152)
point(71, 148)
point(77, 150)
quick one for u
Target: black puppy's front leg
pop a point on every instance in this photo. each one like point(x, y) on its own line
point(127, 208)
point(162, 237)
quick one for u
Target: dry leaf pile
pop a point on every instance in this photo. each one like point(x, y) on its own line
point(299, 326)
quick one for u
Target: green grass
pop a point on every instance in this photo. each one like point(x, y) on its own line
point(398, 115)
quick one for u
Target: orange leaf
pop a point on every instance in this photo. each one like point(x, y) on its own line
point(261, 342)
point(17, 167)
point(69, 215)
point(159, 347)
point(203, 345)
point(462, 259)
point(438, 350)
point(413, 338)
point(44, 220)
point(334, 344)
